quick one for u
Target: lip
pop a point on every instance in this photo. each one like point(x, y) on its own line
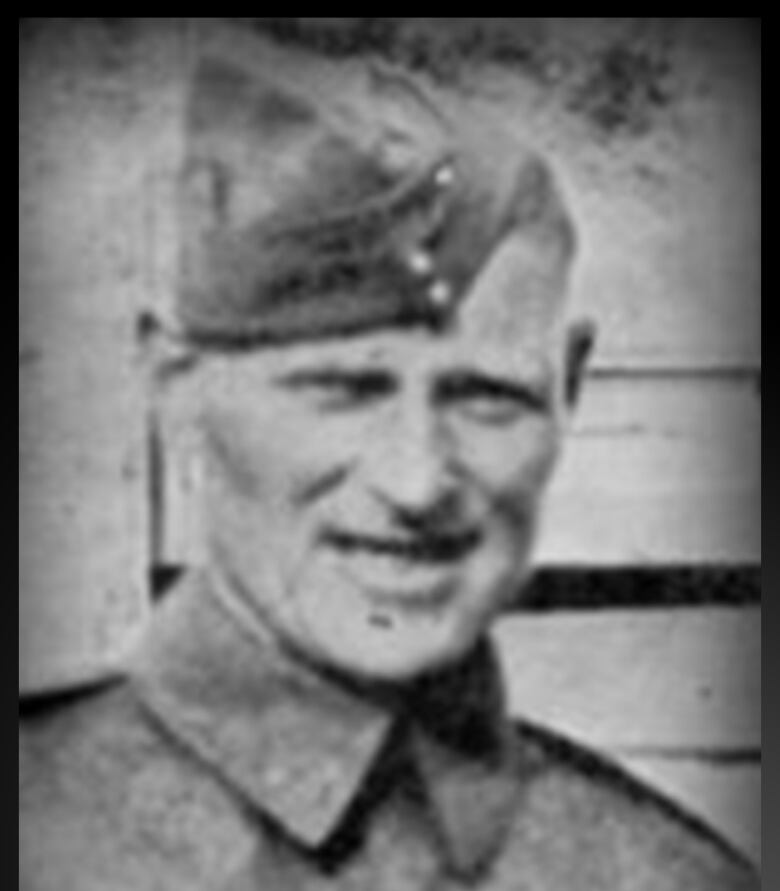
point(414, 599)
point(439, 549)
point(407, 572)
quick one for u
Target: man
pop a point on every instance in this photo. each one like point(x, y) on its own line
point(372, 347)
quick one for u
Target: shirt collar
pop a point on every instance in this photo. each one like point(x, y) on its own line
point(292, 743)
point(299, 746)
point(469, 758)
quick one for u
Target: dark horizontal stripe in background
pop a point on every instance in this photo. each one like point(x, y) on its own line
point(588, 588)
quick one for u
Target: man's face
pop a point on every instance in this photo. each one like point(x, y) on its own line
point(374, 500)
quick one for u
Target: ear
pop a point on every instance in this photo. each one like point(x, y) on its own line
point(168, 363)
point(580, 338)
point(165, 356)
point(170, 367)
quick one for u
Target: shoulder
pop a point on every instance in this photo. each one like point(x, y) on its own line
point(76, 735)
point(108, 799)
point(594, 814)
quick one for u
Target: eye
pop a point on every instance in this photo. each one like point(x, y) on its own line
point(493, 401)
point(340, 390)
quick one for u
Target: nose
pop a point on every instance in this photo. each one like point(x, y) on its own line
point(411, 467)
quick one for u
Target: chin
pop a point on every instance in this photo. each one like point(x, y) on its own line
point(394, 656)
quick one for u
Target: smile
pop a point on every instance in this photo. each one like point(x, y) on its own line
point(420, 549)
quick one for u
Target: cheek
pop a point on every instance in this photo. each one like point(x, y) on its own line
point(510, 472)
point(240, 460)
point(270, 462)
point(512, 467)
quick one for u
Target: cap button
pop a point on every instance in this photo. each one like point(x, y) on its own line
point(440, 293)
point(444, 176)
point(420, 262)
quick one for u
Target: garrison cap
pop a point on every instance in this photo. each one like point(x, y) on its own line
point(319, 205)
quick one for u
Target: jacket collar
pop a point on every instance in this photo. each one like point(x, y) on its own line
point(299, 746)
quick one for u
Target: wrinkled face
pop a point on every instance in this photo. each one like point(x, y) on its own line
point(374, 500)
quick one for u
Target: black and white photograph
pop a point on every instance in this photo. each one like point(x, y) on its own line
point(389, 454)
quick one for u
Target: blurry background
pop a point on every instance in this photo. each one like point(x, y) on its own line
point(644, 637)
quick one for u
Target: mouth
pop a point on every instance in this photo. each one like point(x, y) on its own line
point(429, 549)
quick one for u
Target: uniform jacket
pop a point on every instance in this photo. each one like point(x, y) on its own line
point(218, 763)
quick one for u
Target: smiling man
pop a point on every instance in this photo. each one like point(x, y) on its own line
point(375, 504)
point(379, 367)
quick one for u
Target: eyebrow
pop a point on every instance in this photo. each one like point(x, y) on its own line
point(368, 377)
point(536, 389)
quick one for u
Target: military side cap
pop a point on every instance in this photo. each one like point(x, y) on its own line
point(316, 207)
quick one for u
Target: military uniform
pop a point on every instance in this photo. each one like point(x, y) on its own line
point(218, 762)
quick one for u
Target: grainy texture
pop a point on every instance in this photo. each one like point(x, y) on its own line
point(657, 124)
point(666, 680)
point(83, 510)
point(221, 764)
point(725, 793)
point(660, 468)
point(654, 125)
point(674, 695)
